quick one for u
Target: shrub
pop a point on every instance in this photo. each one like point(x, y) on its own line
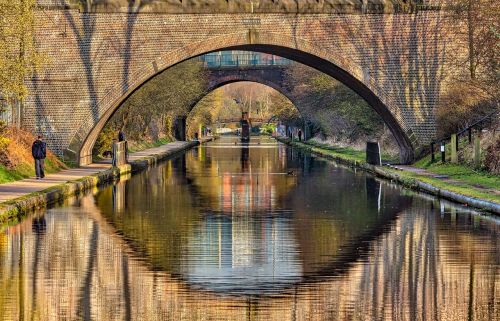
point(492, 157)
point(105, 140)
point(460, 106)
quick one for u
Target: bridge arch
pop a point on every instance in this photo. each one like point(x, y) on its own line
point(237, 77)
point(337, 66)
point(268, 78)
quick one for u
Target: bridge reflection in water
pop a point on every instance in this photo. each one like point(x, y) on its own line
point(259, 232)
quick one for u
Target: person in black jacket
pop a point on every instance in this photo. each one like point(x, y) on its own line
point(39, 152)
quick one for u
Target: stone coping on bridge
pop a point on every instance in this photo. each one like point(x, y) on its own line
point(240, 6)
point(19, 198)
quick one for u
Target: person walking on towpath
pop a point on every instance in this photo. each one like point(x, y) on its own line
point(39, 152)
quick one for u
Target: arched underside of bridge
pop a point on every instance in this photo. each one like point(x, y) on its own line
point(310, 55)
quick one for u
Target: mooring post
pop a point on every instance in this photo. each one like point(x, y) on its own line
point(120, 156)
point(373, 155)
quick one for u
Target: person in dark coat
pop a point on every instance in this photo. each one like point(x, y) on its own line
point(300, 135)
point(39, 152)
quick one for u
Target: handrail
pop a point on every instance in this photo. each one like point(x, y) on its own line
point(480, 123)
point(487, 117)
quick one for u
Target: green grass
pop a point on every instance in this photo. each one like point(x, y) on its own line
point(464, 188)
point(462, 173)
point(24, 170)
point(342, 152)
point(137, 147)
point(9, 176)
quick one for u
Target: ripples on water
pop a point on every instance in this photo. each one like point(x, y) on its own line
point(258, 232)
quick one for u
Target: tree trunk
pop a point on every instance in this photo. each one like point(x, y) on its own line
point(470, 26)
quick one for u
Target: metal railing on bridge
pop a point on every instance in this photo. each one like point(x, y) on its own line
point(238, 59)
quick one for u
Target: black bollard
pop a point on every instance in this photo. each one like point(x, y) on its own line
point(373, 153)
point(443, 153)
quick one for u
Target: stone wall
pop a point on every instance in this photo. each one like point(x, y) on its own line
point(96, 60)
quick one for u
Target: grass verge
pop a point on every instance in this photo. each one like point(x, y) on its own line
point(140, 146)
point(25, 170)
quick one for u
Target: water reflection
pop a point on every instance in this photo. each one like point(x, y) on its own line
point(228, 233)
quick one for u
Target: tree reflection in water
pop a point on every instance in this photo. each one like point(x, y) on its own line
point(225, 233)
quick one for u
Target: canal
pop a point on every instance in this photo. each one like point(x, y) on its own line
point(251, 232)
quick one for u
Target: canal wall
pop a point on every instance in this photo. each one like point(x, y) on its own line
point(14, 210)
point(408, 182)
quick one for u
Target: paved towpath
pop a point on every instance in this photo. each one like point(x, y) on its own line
point(10, 191)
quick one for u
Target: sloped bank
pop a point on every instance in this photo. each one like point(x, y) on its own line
point(14, 210)
point(400, 177)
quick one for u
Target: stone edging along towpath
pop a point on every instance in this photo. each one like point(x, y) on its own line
point(412, 183)
point(36, 197)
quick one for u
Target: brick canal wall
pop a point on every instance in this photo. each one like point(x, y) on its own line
point(95, 60)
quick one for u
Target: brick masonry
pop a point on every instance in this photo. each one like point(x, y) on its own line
point(96, 60)
point(272, 76)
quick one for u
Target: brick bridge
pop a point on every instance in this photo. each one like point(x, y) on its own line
point(99, 55)
point(273, 77)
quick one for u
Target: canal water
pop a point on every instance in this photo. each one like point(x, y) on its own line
point(251, 232)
